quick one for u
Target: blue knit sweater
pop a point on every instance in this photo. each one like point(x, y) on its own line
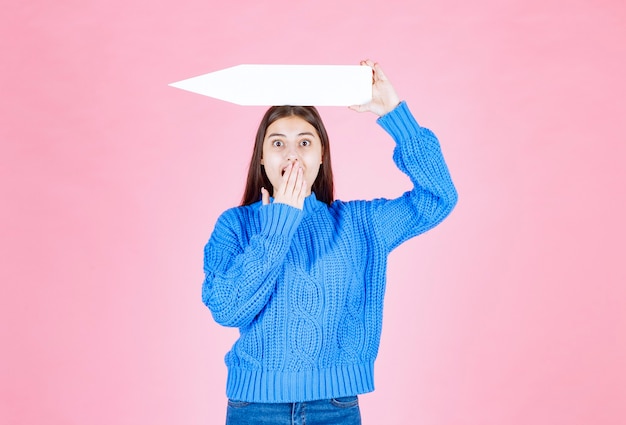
point(305, 287)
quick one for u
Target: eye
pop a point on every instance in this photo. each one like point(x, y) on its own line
point(277, 143)
point(305, 142)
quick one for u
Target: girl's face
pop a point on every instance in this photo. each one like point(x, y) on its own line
point(287, 140)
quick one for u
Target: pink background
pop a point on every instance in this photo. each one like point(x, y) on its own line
point(511, 312)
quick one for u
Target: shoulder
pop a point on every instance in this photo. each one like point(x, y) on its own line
point(242, 210)
point(237, 217)
point(352, 209)
point(363, 210)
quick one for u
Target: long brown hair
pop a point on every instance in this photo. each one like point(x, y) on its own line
point(323, 185)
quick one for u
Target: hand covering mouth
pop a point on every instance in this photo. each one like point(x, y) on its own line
point(282, 173)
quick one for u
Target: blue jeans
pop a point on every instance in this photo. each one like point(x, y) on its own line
point(336, 411)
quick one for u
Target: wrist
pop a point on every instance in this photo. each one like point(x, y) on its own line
point(393, 106)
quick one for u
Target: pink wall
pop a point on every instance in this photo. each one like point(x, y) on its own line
point(511, 312)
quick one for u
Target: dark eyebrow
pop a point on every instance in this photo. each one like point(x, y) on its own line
point(282, 135)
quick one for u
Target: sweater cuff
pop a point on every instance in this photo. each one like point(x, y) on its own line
point(279, 219)
point(399, 122)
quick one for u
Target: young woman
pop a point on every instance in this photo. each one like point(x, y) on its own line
point(303, 275)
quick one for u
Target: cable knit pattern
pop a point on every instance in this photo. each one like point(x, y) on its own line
point(306, 287)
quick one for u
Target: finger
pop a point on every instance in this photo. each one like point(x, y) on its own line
point(285, 181)
point(289, 181)
point(302, 193)
point(369, 63)
point(299, 190)
point(299, 182)
point(378, 73)
point(265, 196)
point(360, 108)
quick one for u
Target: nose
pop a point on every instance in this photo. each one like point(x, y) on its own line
point(292, 155)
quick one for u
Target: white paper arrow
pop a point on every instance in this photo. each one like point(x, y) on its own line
point(319, 85)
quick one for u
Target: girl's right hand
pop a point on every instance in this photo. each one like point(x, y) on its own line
point(384, 96)
point(292, 189)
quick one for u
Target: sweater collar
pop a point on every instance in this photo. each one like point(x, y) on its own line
point(311, 204)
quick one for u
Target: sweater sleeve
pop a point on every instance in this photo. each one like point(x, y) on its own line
point(241, 273)
point(418, 155)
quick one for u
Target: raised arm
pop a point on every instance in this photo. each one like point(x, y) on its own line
point(418, 155)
